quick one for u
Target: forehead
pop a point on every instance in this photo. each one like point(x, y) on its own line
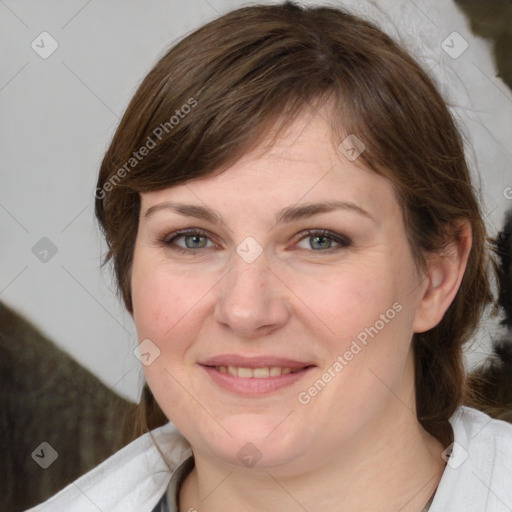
point(304, 165)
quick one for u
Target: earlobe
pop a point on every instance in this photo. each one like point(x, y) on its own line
point(444, 275)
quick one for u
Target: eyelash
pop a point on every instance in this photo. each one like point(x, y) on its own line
point(169, 240)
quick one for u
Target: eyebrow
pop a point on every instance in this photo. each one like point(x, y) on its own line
point(286, 215)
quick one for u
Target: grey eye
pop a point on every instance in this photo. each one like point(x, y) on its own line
point(320, 242)
point(194, 241)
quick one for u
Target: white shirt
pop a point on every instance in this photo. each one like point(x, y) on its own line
point(477, 477)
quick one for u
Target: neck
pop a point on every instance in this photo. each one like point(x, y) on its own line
point(393, 465)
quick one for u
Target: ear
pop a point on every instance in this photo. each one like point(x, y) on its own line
point(444, 275)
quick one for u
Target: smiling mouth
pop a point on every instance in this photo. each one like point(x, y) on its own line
point(255, 379)
point(257, 373)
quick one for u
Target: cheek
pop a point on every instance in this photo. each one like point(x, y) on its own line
point(363, 311)
point(166, 306)
point(163, 298)
point(345, 301)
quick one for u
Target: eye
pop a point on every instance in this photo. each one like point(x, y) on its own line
point(192, 240)
point(320, 240)
point(188, 241)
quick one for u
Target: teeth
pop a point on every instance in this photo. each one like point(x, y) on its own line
point(243, 372)
point(257, 373)
point(275, 371)
point(261, 373)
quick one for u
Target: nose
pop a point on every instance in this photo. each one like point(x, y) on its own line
point(252, 300)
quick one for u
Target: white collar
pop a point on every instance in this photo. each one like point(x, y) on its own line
point(134, 478)
point(478, 477)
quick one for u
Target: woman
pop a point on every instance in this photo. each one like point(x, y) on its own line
point(293, 229)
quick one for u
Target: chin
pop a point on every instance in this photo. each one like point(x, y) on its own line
point(257, 441)
point(257, 427)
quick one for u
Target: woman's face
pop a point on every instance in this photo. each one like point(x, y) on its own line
point(291, 259)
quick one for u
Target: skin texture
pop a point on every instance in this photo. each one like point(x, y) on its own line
point(357, 444)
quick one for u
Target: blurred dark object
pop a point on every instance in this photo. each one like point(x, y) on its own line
point(492, 382)
point(503, 247)
point(493, 19)
point(46, 396)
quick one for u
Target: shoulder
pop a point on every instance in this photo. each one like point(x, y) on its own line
point(484, 439)
point(478, 472)
point(133, 479)
point(470, 423)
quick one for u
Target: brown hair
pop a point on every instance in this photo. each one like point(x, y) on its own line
point(233, 79)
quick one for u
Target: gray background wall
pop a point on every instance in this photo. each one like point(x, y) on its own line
point(59, 111)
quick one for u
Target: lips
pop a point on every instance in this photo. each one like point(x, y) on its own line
point(254, 362)
point(254, 376)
